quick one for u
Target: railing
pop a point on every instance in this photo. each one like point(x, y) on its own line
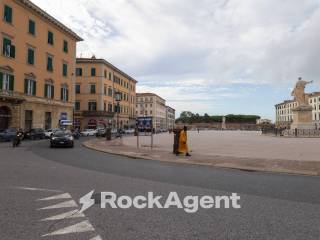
point(97, 113)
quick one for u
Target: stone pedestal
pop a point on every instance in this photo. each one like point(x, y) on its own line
point(302, 118)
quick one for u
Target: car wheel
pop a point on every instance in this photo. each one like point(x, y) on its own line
point(51, 145)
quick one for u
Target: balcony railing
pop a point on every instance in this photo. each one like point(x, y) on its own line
point(97, 114)
point(11, 95)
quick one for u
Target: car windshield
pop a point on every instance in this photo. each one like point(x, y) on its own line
point(61, 134)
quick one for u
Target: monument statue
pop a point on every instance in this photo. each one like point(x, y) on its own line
point(298, 92)
point(302, 114)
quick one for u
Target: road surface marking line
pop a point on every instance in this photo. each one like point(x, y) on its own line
point(81, 227)
point(96, 238)
point(67, 204)
point(66, 215)
point(60, 196)
point(38, 189)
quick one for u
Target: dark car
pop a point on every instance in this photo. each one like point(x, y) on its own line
point(35, 133)
point(62, 139)
point(7, 134)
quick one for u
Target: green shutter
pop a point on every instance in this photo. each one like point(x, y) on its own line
point(34, 90)
point(32, 27)
point(61, 92)
point(26, 86)
point(50, 38)
point(1, 80)
point(31, 56)
point(11, 82)
point(8, 14)
point(65, 46)
point(12, 51)
point(67, 95)
point(52, 92)
point(46, 90)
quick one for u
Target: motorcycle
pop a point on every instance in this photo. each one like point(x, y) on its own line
point(16, 141)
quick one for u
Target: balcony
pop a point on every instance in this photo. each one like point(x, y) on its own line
point(97, 114)
point(11, 96)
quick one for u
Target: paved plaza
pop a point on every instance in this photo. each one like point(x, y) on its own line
point(239, 144)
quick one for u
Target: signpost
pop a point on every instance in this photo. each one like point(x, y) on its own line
point(144, 124)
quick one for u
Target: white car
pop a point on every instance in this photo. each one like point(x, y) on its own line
point(48, 133)
point(129, 131)
point(89, 132)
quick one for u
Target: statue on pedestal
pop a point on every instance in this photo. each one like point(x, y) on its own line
point(298, 92)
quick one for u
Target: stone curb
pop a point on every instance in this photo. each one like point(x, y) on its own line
point(239, 165)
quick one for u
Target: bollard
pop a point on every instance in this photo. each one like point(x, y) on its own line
point(296, 132)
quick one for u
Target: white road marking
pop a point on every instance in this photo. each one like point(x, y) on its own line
point(96, 238)
point(38, 189)
point(67, 204)
point(66, 215)
point(60, 196)
point(84, 226)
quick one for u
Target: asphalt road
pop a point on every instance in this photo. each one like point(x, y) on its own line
point(273, 206)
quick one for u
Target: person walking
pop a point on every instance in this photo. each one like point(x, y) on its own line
point(183, 142)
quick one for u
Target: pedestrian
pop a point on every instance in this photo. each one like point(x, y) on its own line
point(183, 142)
point(198, 130)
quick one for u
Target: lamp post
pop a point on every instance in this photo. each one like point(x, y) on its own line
point(118, 100)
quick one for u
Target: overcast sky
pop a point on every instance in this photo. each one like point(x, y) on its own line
point(206, 56)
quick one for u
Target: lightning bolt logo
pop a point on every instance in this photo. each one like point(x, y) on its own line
point(86, 201)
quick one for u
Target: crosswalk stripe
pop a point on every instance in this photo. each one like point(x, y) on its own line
point(81, 227)
point(38, 189)
point(66, 204)
point(60, 196)
point(96, 238)
point(66, 215)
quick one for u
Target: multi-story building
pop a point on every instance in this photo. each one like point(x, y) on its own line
point(284, 113)
point(151, 105)
point(170, 118)
point(97, 82)
point(36, 67)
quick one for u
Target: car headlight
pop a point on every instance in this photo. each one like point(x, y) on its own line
point(53, 138)
point(71, 138)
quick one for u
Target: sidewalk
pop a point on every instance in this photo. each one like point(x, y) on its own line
point(117, 147)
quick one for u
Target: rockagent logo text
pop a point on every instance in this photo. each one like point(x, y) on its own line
point(190, 204)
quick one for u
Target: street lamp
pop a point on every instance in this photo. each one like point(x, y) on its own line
point(118, 100)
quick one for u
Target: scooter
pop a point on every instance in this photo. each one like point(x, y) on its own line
point(16, 141)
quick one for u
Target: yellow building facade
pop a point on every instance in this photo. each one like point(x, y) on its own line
point(97, 81)
point(37, 63)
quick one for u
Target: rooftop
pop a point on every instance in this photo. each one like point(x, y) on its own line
point(149, 94)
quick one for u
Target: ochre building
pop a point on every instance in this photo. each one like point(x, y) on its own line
point(97, 82)
point(37, 63)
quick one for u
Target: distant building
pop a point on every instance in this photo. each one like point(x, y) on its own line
point(152, 105)
point(170, 118)
point(263, 121)
point(284, 113)
point(97, 81)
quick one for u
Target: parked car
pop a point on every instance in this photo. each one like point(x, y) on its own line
point(89, 132)
point(7, 134)
point(48, 133)
point(101, 132)
point(62, 139)
point(35, 133)
point(129, 131)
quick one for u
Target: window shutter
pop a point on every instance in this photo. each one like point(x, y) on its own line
point(46, 90)
point(1, 80)
point(26, 86)
point(12, 51)
point(67, 95)
point(6, 46)
point(52, 92)
point(61, 92)
point(34, 90)
point(11, 82)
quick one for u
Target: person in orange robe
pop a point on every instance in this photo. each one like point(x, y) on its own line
point(183, 142)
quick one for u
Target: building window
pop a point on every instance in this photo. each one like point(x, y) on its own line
point(64, 93)
point(7, 14)
point(110, 92)
point(30, 87)
point(30, 59)
point(104, 106)
point(50, 38)
point(48, 120)
point(32, 27)
point(110, 76)
point(9, 50)
point(65, 46)
point(77, 88)
point(77, 106)
point(110, 107)
point(92, 106)
point(93, 72)
point(6, 82)
point(105, 73)
point(65, 69)
point(49, 91)
point(50, 63)
point(78, 71)
point(92, 88)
